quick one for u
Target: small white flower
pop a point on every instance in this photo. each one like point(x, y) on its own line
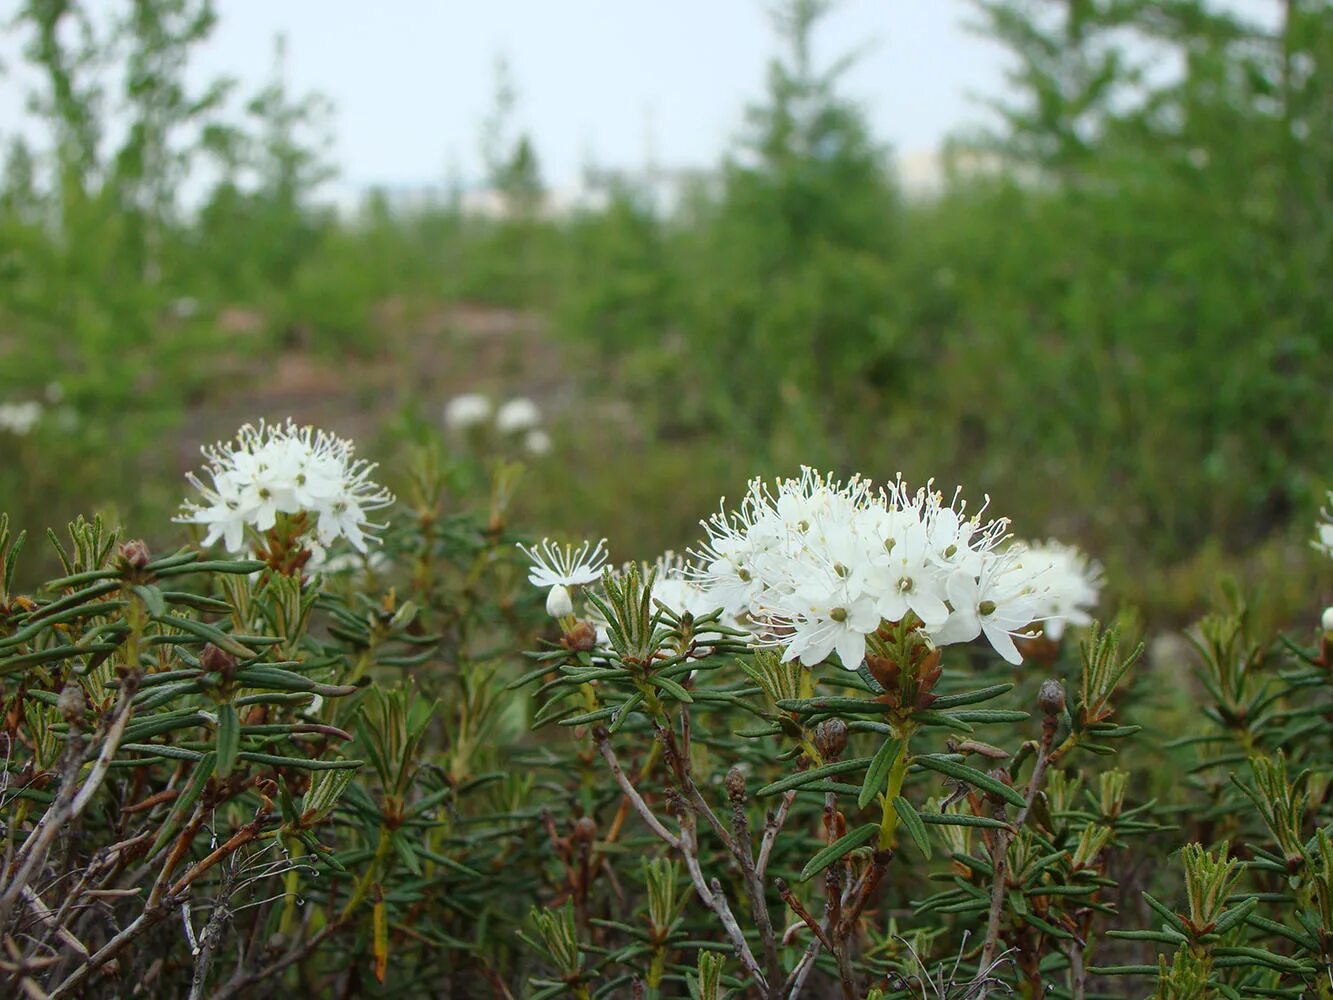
point(676, 584)
point(20, 418)
point(517, 415)
point(467, 410)
point(282, 469)
point(560, 568)
point(829, 618)
point(537, 442)
point(1323, 540)
point(997, 605)
point(1067, 584)
point(553, 565)
point(345, 562)
point(906, 581)
point(1326, 620)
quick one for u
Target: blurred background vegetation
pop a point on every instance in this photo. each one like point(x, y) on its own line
point(1113, 316)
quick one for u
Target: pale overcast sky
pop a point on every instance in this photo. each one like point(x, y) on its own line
point(599, 80)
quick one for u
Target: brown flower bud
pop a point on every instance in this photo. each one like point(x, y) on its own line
point(217, 661)
point(735, 782)
point(585, 829)
point(886, 672)
point(581, 637)
point(135, 554)
point(831, 738)
point(72, 703)
point(1051, 697)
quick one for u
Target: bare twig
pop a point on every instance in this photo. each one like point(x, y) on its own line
point(1005, 837)
point(687, 844)
point(601, 737)
point(212, 932)
point(1078, 973)
point(806, 916)
point(241, 981)
point(796, 981)
point(773, 826)
point(712, 896)
point(744, 853)
point(863, 891)
point(48, 919)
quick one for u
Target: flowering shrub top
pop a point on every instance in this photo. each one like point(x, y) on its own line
point(282, 469)
point(817, 567)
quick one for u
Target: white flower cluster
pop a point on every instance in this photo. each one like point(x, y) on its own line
point(1070, 584)
point(816, 566)
point(1324, 528)
point(820, 565)
point(273, 469)
point(515, 417)
point(20, 418)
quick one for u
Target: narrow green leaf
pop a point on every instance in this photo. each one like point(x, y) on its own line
point(229, 739)
point(152, 599)
point(625, 711)
point(929, 717)
point(963, 819)
point(297, 762)
point(857, 838)
point(970, 697)
point(878, 773)
point(586, 717)
point(808, 706)
point(208, 633)
point(11, 561)
point(184, 804)
point(405, 853)
point(1173, 921)
point(671, 688)
point(973, 777)
point(985, 715)
point(912, 820)
point(814, 774)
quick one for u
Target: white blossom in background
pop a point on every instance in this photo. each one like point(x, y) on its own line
point(537, 442)
point(1324, 528)
point(558, 568)
point(20, 418)
point(282, 469)
point(819, 565)
point(345, 562)
point(1326, 620)
point(1070, 584)
point(467, 410)
point(517, 415)
point(676, 584)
